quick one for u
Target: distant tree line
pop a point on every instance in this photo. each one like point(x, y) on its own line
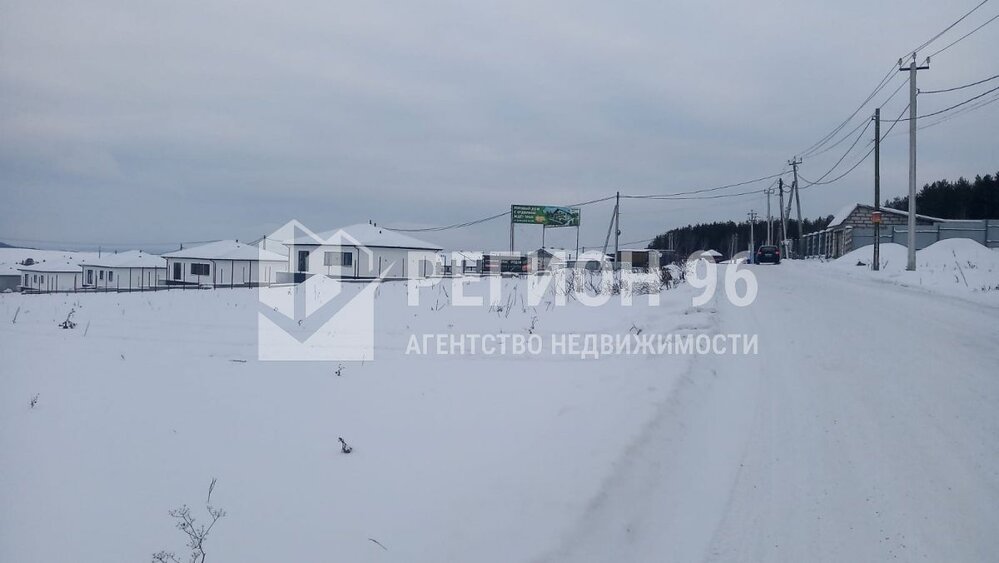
point(718, 236)
point(962, 199)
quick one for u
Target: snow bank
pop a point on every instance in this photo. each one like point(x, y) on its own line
point(892, 255)
point(956, 266)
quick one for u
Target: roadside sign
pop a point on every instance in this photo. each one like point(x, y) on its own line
point(547, 215)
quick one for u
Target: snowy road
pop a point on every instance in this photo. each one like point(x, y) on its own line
point(867, 429)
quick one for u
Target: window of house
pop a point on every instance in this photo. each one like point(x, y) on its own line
point(26, 282)
point(34, 278)
point(100, 275)
point(90, 277)
point(336, 258)
point(110, 275)
point(41, 278)
point(199, 269)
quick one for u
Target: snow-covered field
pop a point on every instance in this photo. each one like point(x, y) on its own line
point(455, 458)
point(865, 429)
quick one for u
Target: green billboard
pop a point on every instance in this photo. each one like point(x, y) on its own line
point(547, 215)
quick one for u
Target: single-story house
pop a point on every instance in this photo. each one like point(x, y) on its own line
point(712, 254)
point(854, 228)
point(505, 262)
point(124, 271)
point(363, 251)
point(640, 258)
point(10, 278)
point(50, 276)
point(545, 259)
point(466, 262)
point(593, 260)
point(224, 263)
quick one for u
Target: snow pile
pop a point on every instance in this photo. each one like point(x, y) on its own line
point(960, 261)
point(955, 265)
point(891, 255)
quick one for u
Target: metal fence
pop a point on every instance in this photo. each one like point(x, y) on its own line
point(831, 244)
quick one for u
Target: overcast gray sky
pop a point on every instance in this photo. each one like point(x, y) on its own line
point(160, 121)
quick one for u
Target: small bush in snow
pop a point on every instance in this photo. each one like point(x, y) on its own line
point(344, 448)
point(68, 323)
point(34, 401)
point(196, 533)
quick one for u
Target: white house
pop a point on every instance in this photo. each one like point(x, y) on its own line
point(640, 258)
point(50, 276)
point(10, 278)
point(224, 263)
point(466, 262)
point(124, 271)
point(363, 251)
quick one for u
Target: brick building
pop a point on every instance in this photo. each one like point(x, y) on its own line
point(853, 228)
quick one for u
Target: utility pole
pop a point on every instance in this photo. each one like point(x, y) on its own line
point(752, 233)
point(877, 188)
point(783, 216)
point(769, 218)
point(912, 68)
point(617, 230)
point(797, 198)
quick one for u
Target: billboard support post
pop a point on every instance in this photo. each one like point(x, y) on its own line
point(511, 232)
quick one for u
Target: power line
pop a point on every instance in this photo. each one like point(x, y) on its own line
point(960, 112)
point(961, 38)
point(821, 142)
point(957, 105)
point(854, 167)
point(959, 87)
point(482, 220)
point(848, 151)
point(946, 29)
point(706, 190)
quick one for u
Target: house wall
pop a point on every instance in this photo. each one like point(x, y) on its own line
point(121, 278)
point(11, 282)
point(370, 262)
point(45, 282)
point(224, 273)
point(646, 260)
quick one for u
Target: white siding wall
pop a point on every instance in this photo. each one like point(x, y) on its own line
point(51, 281)
point(226, 272)
point(122, 278)
point(384, 262)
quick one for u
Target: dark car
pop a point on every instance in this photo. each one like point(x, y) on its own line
point(768, 253)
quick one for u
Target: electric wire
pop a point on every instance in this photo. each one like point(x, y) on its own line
point(984, 80)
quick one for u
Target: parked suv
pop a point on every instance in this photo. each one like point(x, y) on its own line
point(768, 253)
